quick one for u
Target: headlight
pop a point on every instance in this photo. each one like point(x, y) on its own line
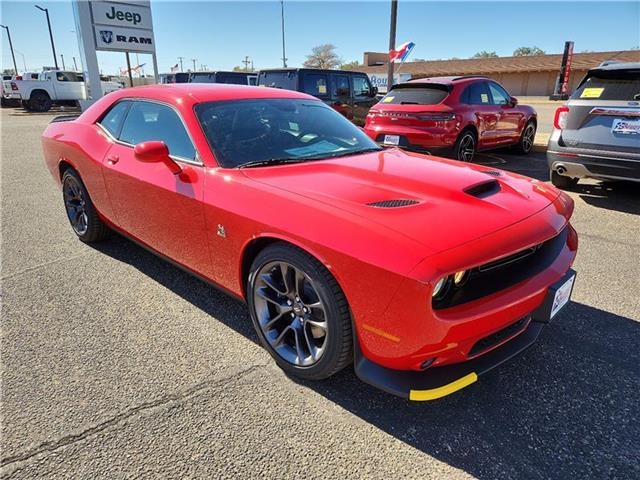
point(439, 287)
point(460, 277)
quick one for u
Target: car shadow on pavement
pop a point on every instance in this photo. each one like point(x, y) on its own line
point(566, 408)
point(621, 196)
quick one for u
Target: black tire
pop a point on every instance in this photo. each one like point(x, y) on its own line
point(560, 181)
point(81, 213)
point(466, 146)
point(525, 144)
point(40, 101)
point(337, 349)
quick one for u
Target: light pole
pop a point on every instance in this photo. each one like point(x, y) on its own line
point(284, 56)
point(15, 67)
point(181, 58)
point(53, 47)
point(392, 41)
point(24, 62)
point(62, 58)
point(194, 64)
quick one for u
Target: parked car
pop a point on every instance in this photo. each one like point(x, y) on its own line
point(597, 133)
point(455, 116)
point(180, 77)
point(349, 93)
point(52, 87)
point(344, 251)
point(238, 78)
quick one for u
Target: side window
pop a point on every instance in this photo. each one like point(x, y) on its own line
point(500, 97)
point(112, 121)
point(68, 77)
point(315, 84)
point(148, 121)
point(361, 86)
point(479, 94)
point(340, 86)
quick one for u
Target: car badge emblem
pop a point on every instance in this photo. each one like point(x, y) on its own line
point(106, 35)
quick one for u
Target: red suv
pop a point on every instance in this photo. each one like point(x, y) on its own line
point(457, 115)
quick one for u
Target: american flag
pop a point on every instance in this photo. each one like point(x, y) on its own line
point(174, 68)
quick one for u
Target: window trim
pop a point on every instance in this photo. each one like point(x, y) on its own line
point(197, 160)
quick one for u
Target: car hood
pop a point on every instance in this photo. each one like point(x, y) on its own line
point(449, 203)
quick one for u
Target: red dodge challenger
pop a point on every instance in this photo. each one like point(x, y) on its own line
point(423, 272)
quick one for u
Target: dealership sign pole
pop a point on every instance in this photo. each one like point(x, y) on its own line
point(115, 26)
point(561, 91)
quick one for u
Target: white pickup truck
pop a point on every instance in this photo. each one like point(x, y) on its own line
point(52, 87)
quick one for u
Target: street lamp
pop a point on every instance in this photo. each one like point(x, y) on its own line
point(24, 62)
point(15, 67)
point(53, 47)
point(284, 57)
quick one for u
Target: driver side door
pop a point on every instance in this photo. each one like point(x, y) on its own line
point(155, 206)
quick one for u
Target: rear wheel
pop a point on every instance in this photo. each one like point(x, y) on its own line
point(560, 181)
point(40, 102)
point(82, 215)
point(299, 312)
point(525, 144)
point(465, 146)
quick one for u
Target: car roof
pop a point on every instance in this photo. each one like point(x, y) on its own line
point(448, 80)
point(206, 92)
point(606, 66)
point(312, 70)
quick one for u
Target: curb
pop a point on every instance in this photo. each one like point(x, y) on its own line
point(538, 148)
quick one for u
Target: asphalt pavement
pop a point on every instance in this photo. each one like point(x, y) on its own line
point(116, 364)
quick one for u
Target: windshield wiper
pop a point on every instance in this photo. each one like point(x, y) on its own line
point(272, 161)
point(344, 153)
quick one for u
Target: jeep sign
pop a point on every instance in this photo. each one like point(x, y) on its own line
point(122, 14)
point(123, 26)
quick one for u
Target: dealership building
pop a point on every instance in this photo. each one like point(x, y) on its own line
point(522, 76)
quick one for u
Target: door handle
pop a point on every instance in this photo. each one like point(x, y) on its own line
point(113, 159)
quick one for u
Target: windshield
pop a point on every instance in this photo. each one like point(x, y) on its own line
point(271, 131)
point(418, 95)
point(610, 85)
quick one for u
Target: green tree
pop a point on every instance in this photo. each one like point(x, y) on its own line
point(485, 54)
point(351, 65)
point(528, 51)
point(323, 56)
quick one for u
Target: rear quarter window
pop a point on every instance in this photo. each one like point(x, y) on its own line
point(610, 85)
point(415, 96)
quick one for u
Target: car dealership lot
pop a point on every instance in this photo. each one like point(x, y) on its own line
point(117, 364)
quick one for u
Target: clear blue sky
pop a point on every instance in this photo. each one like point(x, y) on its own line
point(220, 34)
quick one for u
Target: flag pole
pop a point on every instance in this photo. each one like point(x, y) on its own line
point(392, 41)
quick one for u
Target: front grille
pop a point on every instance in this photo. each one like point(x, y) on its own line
point(401, 202)
point(500, 336)
point(504, 272)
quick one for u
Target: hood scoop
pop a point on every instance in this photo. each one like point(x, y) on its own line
point(395, 203)
point(483, 189)
point(493, 173)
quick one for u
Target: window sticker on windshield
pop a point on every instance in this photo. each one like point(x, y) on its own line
point(388, 99)
point(484, 98)
point(322, 89)
point(591, 93)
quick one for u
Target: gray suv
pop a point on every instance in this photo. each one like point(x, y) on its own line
point(597, 133)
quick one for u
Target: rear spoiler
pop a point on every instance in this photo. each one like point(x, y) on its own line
point(64, 118)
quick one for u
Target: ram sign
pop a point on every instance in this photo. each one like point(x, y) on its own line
point(123, 27)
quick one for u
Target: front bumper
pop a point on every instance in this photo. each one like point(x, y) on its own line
point(438, 382)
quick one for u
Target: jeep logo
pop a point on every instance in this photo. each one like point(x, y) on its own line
point(134, 18)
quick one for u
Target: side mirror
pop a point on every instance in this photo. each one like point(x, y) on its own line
point(155, 151)
point(513, 101)
point(374, 91)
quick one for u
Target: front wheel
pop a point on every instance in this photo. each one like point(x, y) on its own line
point(465, 147)
point(299, 312)
point(40, 102)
